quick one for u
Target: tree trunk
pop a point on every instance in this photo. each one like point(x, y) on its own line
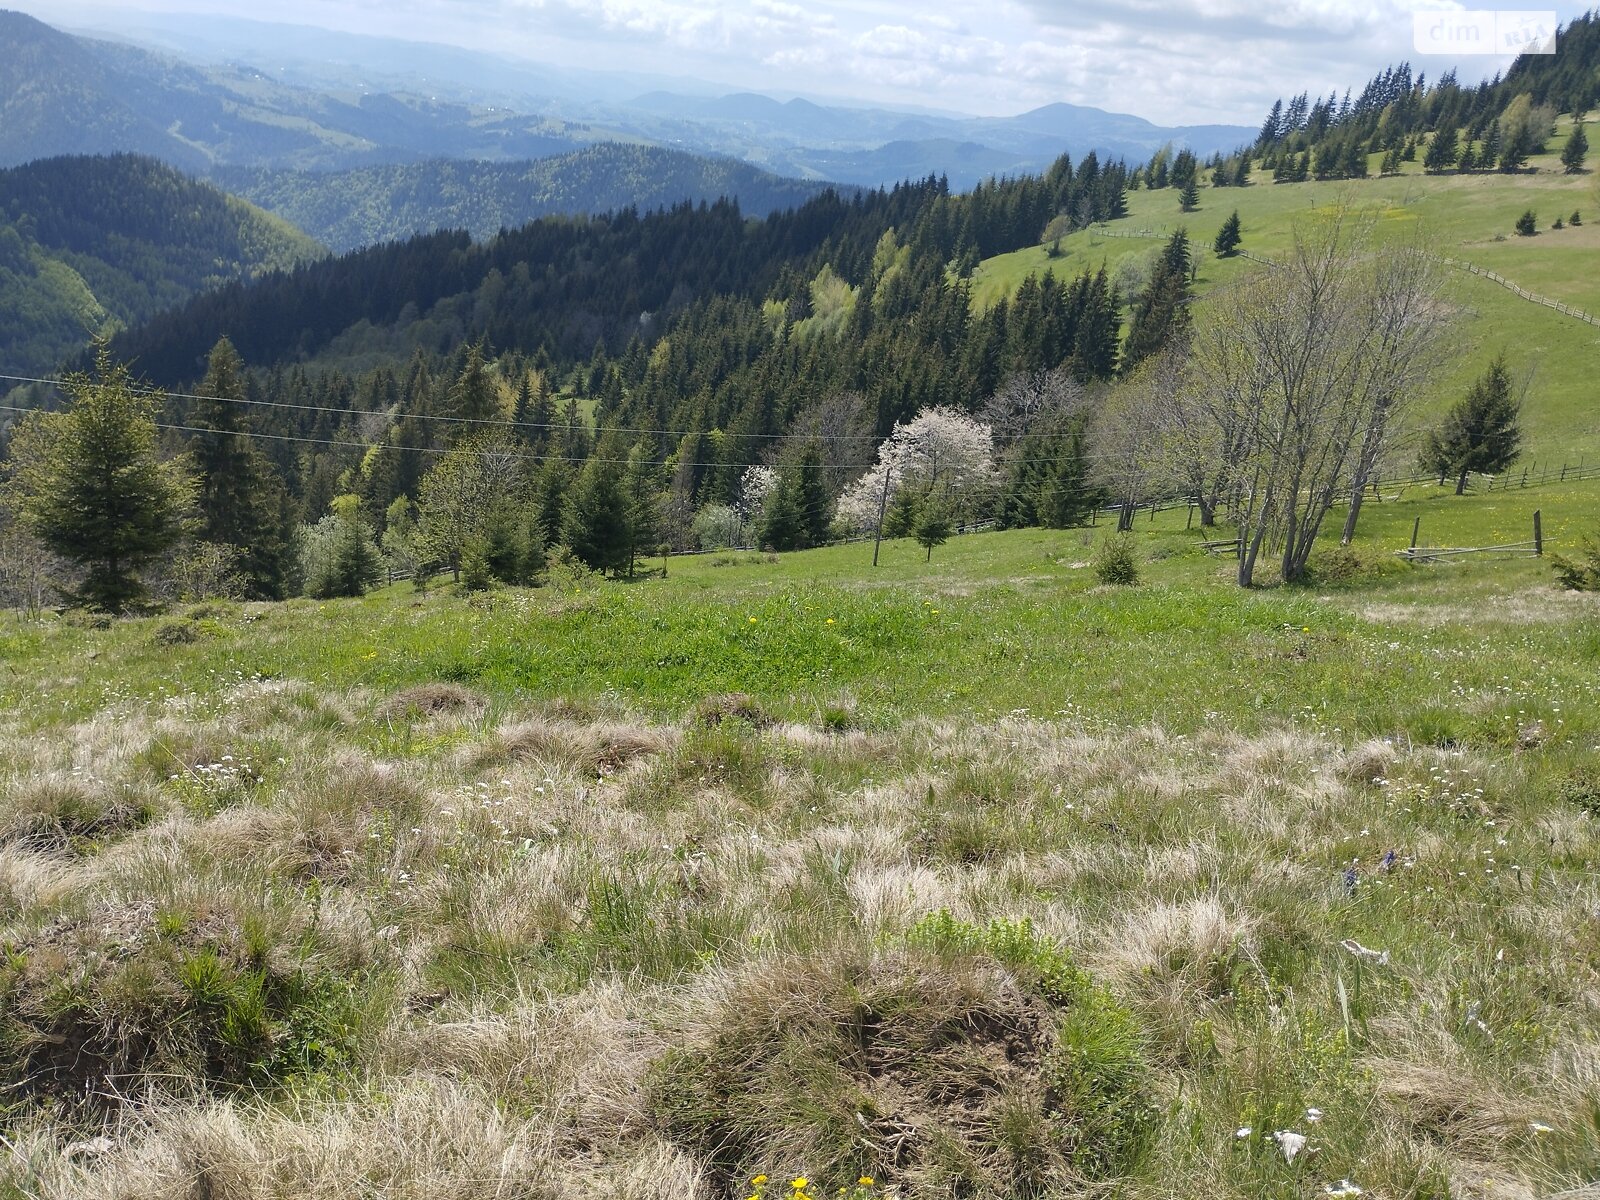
point(1461, 484)
point(1352, 516)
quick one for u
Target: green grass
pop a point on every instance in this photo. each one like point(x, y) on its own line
point(993, 877)
point(997, 622)
point(1467, 217)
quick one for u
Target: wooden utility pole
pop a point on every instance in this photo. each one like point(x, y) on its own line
point(883, 507)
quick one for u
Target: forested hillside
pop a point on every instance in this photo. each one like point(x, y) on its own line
point(367, 205)
point(90, 244)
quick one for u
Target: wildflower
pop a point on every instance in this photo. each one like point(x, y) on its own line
point(830, 621)
point(759, 1180)
point(800, 1183)
point(1242, 1132)
point(752, 620)
point(864, 1181)
point(1540, 1127)
point(1313, 1115)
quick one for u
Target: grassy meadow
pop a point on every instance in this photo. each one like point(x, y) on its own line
point(790, 877)
point(1467, 217)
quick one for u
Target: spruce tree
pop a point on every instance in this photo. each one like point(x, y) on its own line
point(91, 486)
point(1189, 197)
point(641, 486)
point(811, 496)
point(1575, 151)
point(1480, 433)
point(473, 398)
point(1228, 237)
point(934, 526)
point(1161, 312)
point(239, 493)
point(1442, 151)
point(782, 525)
point(595, 522)
point(1527, 224)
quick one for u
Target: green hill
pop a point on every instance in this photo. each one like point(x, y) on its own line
point(1469, 217)
point(90, 244)
point(347, 209)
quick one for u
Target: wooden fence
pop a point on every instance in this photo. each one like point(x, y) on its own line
point(1431, 554)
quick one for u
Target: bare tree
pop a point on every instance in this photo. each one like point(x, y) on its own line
point(1331, 340)
point(1131, 434)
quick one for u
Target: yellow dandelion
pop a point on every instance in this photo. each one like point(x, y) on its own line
point(752, 620)
point(830, 620)
point(759, 1180)
point(864, 1181)
point(800, 1184)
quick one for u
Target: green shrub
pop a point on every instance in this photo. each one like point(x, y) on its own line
point(1581, 573)
point(1115, 561)
point(175, 633)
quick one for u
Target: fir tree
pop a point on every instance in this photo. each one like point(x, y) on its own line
point(1480, 433)
point(91, 485)
point(1228, 237)
point(1189, 197)
point(1527, 224)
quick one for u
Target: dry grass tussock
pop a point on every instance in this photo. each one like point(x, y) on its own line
point(579, 954)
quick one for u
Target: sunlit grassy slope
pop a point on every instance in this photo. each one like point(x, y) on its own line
point(1468, 217)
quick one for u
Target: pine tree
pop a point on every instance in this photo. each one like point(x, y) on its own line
point(239, 493)
point(1480, 433)
point(1527, 224)
point(1189, 197)
point(91, 486)
point(1228, 237)
point(1575, 151)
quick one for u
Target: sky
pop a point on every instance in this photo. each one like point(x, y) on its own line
point(1171, 61)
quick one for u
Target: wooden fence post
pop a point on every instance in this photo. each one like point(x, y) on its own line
point(1415, 526)
point(1538, 535)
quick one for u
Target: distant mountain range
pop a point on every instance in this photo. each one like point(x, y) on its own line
point(89, 245)
point(61, 94)
point(203, 92)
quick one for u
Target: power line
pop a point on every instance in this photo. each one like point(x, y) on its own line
point(511, 454)
point(484, 421)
